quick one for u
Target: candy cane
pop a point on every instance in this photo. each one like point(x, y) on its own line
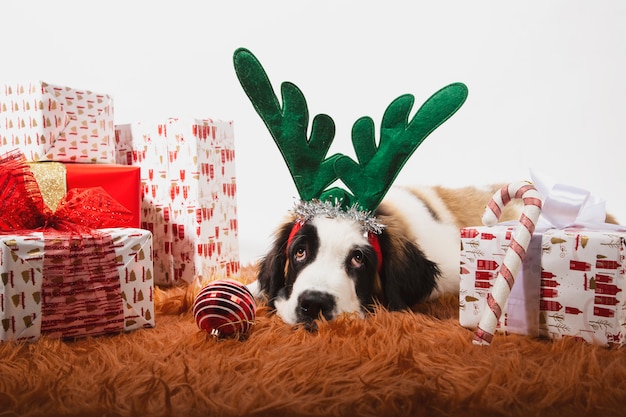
point(514, 255)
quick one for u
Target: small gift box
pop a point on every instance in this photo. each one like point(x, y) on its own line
point(188, 192)
point(65, 272)
point(121, 182)
point(73, 285)
point(572, 282)
point(56, 123)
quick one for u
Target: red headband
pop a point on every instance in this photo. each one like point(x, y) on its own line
point(372, 238)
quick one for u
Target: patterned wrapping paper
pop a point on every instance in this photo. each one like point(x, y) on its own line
point(52, 122)
point(572, 283)
point(37, 296)
point(188, 195)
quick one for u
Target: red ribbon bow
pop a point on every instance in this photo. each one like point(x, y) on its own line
point(22, 205)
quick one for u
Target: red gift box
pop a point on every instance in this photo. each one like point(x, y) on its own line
point(122, 182)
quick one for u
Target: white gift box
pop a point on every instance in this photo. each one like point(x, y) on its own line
point(188, 195)
point(571, 284)
point(56, 123)
point(72, 287)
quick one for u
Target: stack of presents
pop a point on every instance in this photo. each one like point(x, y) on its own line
point(95, 215)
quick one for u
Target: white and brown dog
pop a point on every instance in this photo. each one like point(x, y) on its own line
point(325, 264)
point(329, 267)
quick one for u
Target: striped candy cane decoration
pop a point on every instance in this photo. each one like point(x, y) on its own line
point(514, 255)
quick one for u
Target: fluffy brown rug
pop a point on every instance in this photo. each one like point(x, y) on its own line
point(419, 363)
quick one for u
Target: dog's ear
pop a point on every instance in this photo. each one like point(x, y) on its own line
point(271, 276)
point(407, 276)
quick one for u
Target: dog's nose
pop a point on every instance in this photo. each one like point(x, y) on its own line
point(312, 304)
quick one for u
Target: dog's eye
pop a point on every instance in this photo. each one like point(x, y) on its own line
point(300, 254)
point(357, 259)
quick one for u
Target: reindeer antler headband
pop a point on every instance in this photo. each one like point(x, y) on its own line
point(370, 178)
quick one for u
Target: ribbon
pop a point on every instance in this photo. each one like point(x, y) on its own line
point(567, 205)
point(52, 180)
point(22, 206)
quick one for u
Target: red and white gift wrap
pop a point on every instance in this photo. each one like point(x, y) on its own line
point(572, 282)
point(56, 123)
point(73, 285)
point(188, 195)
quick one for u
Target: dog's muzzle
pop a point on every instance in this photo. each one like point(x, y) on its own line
point(313, 305)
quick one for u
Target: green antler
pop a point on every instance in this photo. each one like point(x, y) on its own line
point(372, 176)
point(305, 157)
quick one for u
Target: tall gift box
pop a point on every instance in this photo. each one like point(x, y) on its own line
point(57, 123)
point(572, 282)
point(188, 195)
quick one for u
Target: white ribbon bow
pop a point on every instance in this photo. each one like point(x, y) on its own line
point(567, 205)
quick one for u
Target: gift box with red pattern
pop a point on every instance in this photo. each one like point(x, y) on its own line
point(73, 285)
point(49, 122)
point(188, 192)
point(572, 282)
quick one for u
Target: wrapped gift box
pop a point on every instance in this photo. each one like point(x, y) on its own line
point(188, 192)
point(122, 182)
point(72, 285)
point(52, 122)
point(572, 282)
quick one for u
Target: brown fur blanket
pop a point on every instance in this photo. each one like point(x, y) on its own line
point(419, 363)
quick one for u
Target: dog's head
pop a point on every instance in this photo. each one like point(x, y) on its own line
point(328, 266)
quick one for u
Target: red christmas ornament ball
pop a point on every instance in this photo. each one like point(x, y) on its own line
point(224, 308)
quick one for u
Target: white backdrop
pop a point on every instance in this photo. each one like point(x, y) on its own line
point(547, 80)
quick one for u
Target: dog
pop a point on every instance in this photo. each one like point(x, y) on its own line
point(329, 267)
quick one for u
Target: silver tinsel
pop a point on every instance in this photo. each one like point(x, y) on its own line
point(306, 210)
